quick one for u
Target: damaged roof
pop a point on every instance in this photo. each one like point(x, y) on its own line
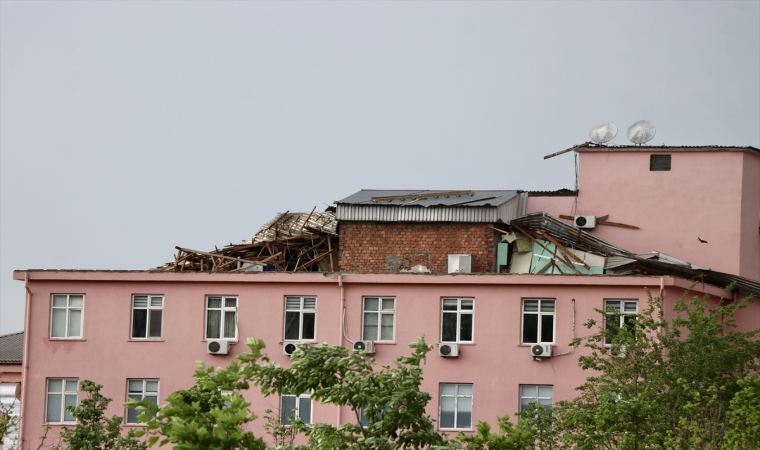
point(12, 348)
point(591, 147)
point(428, 198)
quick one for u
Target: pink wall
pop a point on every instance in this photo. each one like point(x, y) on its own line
point(10, 373)
point(496, 364)
point(750, 218)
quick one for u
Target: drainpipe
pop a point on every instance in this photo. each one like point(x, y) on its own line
point(341, 316)
point(25, 360)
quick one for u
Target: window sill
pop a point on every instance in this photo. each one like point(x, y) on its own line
point(384, 342)
point(458, 343)
point(145, 340)
point(135, 425)
point(531, 345)
point(456, 430)
point(58, 424)
point(66, 339)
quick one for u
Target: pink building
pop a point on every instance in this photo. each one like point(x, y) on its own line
point(505, 322)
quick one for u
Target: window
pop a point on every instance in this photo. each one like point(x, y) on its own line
point(538, 321)
point(300, 318)
point(456, 323)
point(624, 311)
point(147, 316)
point(221, 317)
point(364, 421)
point(659, 163)
point(456, 406)
point(61, 393)
point(379, 314)
point(139, 389)
point(300, 406)
point(541, 394)
point(66, 318)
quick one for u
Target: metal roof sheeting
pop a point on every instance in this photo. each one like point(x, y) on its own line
point(480, 207)
point(662, 148)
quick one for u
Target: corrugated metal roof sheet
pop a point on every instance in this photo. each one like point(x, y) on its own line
point(663, 148)
point(12, 348)
point(478, 198)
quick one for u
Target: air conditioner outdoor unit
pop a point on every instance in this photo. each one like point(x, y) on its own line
point(448, 350)
point(218, 347)
point(460, 263)
point(289, 348)
point(585, 221)
point(541, 350)
point(367, 347)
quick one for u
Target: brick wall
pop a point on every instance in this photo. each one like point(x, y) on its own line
point(368, 247)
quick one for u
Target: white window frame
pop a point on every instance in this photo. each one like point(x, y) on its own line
point(63, 394)
point(302, 309)
point(150, 307)
point(68, 308)
point(297, 412)
point(380, 313)
point(223, 310)
point(537, 397)
point(459, 312)
point(456, 397)
point(144, 393)
point(622, 313)
point(540, 315)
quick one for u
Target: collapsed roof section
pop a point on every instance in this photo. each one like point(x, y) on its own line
point(290, 242)
point(568, 245)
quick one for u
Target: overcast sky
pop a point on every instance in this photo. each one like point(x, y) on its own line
point(127, 128)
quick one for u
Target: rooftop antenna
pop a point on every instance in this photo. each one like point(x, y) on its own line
point(641, 132)
point(603, 133)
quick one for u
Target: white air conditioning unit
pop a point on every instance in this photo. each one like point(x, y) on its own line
point(448, 350)
point(289, 348)
point(585, 221)
point(218, 347)
point(460, 263)
point(541, 350)
point(367, 347)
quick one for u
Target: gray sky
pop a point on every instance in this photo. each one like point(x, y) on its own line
point(127, 128)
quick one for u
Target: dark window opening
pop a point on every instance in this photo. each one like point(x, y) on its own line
point(659, 163)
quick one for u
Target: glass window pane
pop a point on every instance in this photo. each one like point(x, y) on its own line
point(215, 302)
point(369, 333)
point(388, 304)
point(157, 301)
point(530, 328)
point(448, 389)
point(527, 391)
point(71, 385)
point(230, 302)
point(630, 307)
point(525, 402)
point(309, 303)
point(363, 417)
point(464, 412)
point(447, 412)
point(75, 323)
point(449, 327)
point(465, 329)
point(371, 304)
point(76, 300)
point(287, 409)
point(139, 323)
point(54, 408)
point(304, 409)
point(229, 324)
point(213, 324)
point(293, 303)
point(386, 331)
point(140, 301)
point(69, 400)
point(530, 306)
point(55, 385)
point(610, 304)
point(132, 413)
point(59, 323)
point(545, 391)
point(151, 386)
point(292, 324)
point(547, 306)
point(467, 304)
point(136, 386)
point(450, 304)
point(465, 389)
point(155, 323)
point(547, 328)
point(59, 300)
point(308, 325)
point(152, 399)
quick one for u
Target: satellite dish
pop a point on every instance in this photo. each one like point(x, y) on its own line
point(641, 132)
point(603, 133)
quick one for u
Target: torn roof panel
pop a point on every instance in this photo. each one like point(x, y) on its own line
point(289, 224)
point(428, 198)
point(591, 147)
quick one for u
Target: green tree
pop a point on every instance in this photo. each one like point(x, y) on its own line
point(93, 429)
point(390, 397)
point(210, 415)
point(744, 415)
point(656, 372)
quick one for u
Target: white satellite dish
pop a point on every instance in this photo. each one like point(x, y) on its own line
point(603, 133)
point(641, 132)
